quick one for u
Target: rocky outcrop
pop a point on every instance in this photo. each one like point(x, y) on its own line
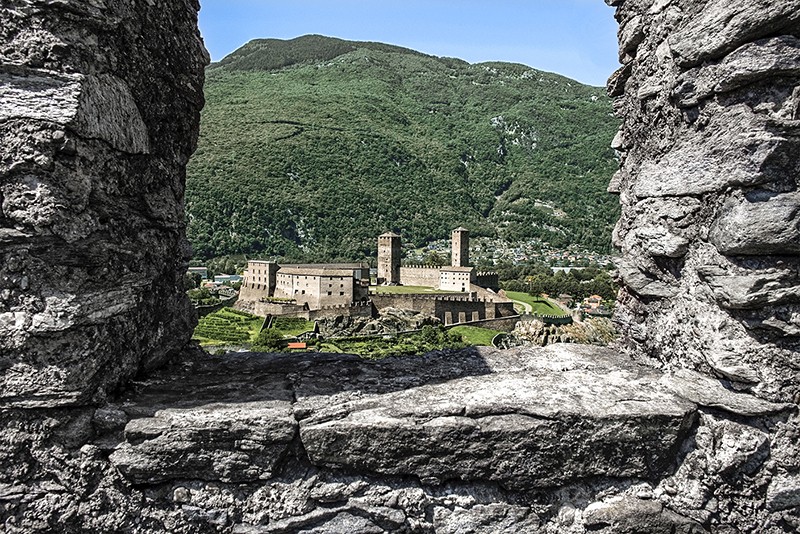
point(709, 93)
point(590, 331)
point(99, 106)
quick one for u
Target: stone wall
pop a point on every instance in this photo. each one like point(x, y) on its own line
point(262, 309)
point(419, 276)
point(99, 108)
point(357, 309)
point(709, 94)
point(449, 309)
point(710, 230)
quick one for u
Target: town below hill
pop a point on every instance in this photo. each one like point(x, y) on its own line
point(396, 309)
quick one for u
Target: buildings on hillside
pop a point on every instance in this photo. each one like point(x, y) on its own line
point(313, 286)
point(326, 290)
point(458, 276)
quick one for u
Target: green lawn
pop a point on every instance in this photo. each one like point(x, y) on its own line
point(408, 290)
point(475, 335)
point(540, 305)
point(292, 326)
point(428, 339)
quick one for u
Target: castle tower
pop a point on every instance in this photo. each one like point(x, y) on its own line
point(460, 247)
point(389, 259)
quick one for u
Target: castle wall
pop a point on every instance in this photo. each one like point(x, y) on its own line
point(423, 304)
point(418, 275)
point(263, 309)
point(363, 310)
point(259, 280)
point(449, 309)
point(315, 291)
point(98, 117)
point(710, 225)
point(489, 280)
point(709, 235)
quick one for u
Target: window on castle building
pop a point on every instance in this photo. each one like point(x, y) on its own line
point(329, 293)
point(341, 293)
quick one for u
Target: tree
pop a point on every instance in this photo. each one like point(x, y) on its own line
point(192, 281)
point(268, 340)
point(434, 259)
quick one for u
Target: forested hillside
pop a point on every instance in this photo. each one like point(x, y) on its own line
point(310, 148)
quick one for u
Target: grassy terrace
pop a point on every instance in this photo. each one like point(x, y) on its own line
point(539, 305)
point(410, 290)
point(475, 335)
point(292, 326)
point(227, 326)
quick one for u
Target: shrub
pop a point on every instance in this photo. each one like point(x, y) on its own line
point(268, 340)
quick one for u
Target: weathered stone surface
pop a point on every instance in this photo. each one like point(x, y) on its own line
point(721, 452)
point(233, 430)
point(749, 291)
point(99, 104)
point(784, 492)
point(525, 418)
point(760, 223)
point(547, 423)
point(658, 241)
point(627, 515)
point(709, 229)
point(709, 236)
point(733, 149)
point(753, 62)
point(708, 392)
point(646, 283)
point(723, 25)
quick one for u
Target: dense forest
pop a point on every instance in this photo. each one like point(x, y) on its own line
point(310, 148)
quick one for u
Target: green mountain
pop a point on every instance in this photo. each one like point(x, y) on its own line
point(312, 147)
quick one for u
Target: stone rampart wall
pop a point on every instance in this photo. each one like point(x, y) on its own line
point(710, 227)
point(709, 94)
point(99, 110)
point(358, 309)
point(419, 276)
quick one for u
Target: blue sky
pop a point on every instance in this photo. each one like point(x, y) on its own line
point(576, 38)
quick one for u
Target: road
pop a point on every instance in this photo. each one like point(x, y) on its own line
point(525, 306)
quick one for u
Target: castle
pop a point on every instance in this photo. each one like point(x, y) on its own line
point(325, 290)
point(459, 276)
point(272, 289)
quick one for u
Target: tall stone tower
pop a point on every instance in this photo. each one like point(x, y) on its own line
point(460, 247)
point(389, 259)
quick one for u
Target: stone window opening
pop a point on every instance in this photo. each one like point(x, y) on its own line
point(707, 408)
